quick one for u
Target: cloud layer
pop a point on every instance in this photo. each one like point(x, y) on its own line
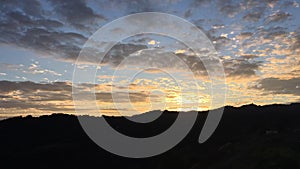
point(258, 43)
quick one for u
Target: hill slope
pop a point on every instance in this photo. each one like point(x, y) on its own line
point(247, 137)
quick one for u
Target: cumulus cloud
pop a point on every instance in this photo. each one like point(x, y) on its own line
point(58, 29)
point(173, 61)
point(76, 13)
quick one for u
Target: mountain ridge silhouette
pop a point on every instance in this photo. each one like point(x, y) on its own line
point(247, 137)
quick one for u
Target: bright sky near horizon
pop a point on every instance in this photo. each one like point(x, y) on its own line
point(258, 43)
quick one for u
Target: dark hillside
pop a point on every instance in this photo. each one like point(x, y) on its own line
point(249, 137)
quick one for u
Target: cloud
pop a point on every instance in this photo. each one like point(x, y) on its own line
point(167, 60)
point(30, 7)
point(106, 77)
point(265, 41)
point(40, 98)
point(253, 16)
point(185, 61)
point(36, 69)
point(218, 26)
point(119, 52)
point(249, 56)
point(271, 3)
point(57, 29)
point(188, 13)
point(279, 86)
point(241, 68)
point(29, 87)
point(67, 45)
point(244, 35)
point(287, 4)
point(296, 44)
point(56, 97)
point(229, 7)
point(122, 97)
point(221, 42)
point(277, 17)
point(76, 13)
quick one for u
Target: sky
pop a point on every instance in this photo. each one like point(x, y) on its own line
point(257, 42)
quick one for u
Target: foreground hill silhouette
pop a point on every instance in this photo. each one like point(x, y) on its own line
point(249, 137)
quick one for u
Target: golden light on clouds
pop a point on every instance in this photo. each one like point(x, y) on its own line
point(258, 43)
point(153, 42)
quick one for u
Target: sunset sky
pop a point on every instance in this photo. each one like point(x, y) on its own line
point(258, 43)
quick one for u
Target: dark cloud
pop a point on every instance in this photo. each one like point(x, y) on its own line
point(296, 44)
point(195, 64)
point(25, 95)
point(63, 45)
point(279, 86)
point(188, 13)
point(31, 24)
point(253, 16)
point(76, 13)
point(30, 7)
point(29, 87)
point(62, 31)
point(136, 6)
point(264, 37)
point(229, 7)
point(213, 34)
point(277, 17)
point(120, 51)
point(222, 42)
point(276, 34)
point(165, 60)
point(21, 105)
point(18, 104)
point(241, 68)
point(161, 59)
point(249, 56)
point(244, 35)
